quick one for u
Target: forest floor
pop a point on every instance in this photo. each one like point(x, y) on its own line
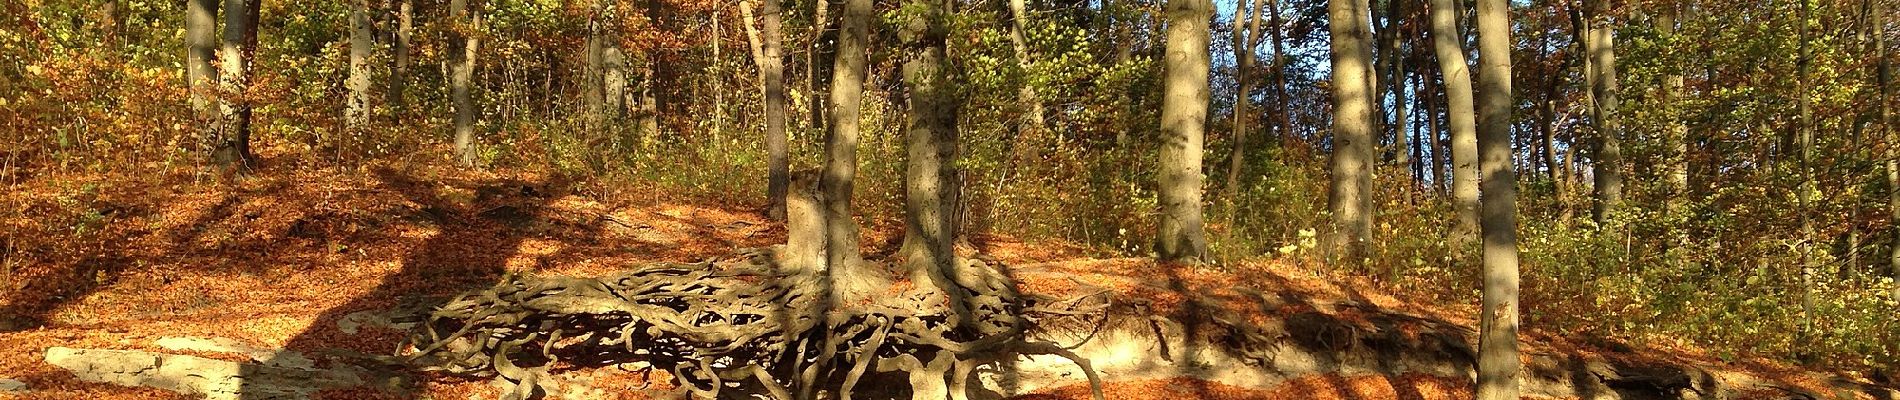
point(278, 259)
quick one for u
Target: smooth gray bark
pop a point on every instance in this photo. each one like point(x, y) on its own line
point(201, 41)
point(1448, 44)
point(468, 19)
point(1600, 47)
point(1352, 128)
point(851, 277)
point(771, 64)
point(356, 116)
point(1246, 37)
point(1183, 126)
point(232, 148)
point(929, 235)
point(1498, 363)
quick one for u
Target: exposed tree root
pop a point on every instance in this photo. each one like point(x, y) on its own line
point(741, 327)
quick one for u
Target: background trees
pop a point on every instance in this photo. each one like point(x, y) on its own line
point(1706, 246)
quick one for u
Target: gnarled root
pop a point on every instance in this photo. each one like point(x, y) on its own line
point(740, 323)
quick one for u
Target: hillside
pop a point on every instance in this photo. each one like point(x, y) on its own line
point(293, 260)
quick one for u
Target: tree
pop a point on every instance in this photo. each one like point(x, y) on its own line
point(1183, 123)
point(1351, 196)
point(1498, 364)
point(467, 41)
point(1393, 57)
point(1883, 77)
point(399, 73)
point(201, 30)
point(1246, 38)
point(1448, 44)
point(357, 115)
point(1019, 23)
point(1676, 133)
point(1599, 43)
point(232, 148)
point(929, 183)
point(851, 277)
point(771, 64)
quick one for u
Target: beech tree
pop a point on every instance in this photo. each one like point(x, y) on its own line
point(1351, 195)
point(201, 35)
point(851, 277)
point(1498, 363)
point(1183, 124)
point(357, 113)
point(466, 41)
point(1599, 44)
point(232, 148)
point(1448, 43)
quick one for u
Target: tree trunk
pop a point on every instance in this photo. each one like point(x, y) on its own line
point(593, 80)
point(1677, 133)
point(399, 75)
point(468, 42)
point(357, 115)
point(1439, 169)
point(614, 81)
point(1032, 105)
point(1282, 100)
point(1600, 47)
point(852, 278)
point(1246, 37)
point(813, 54)
point(929, 237)
point(1548, 134)
point(233, 147)
point(1183, 125)
point(1804, 140)
point(1352, 128)
point(1448, 44)
point(772, 77)
point(1498, 362)
point(1394, 72)
point(1884, 78)
point(201, 43)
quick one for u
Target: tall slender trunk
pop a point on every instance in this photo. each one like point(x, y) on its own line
point(357, 115)
point(233, 147)
point(399, 73)
point(1401, 119)
point(1439, 169)
point(593, 72)
point(201, 43)
point(467, 41)
point(772, 73)
point(1245, 39)
point(1394, 73)
point(1804, 140)
point(1353, 128)
point(1183, 126)
point(1884, 78)
point(821, 21)
point(1498, 362)
point(1281, 99)
point(1548, 134)
point(1600, 47)
point(1032, 105)
point(850, 275)
point(1677, 132)
point(929, 235)
point(1448, 44)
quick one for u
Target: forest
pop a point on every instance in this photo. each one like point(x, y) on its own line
point(950, 199)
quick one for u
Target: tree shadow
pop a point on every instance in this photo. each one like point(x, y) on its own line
point(475, 240)
point(40, 296)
